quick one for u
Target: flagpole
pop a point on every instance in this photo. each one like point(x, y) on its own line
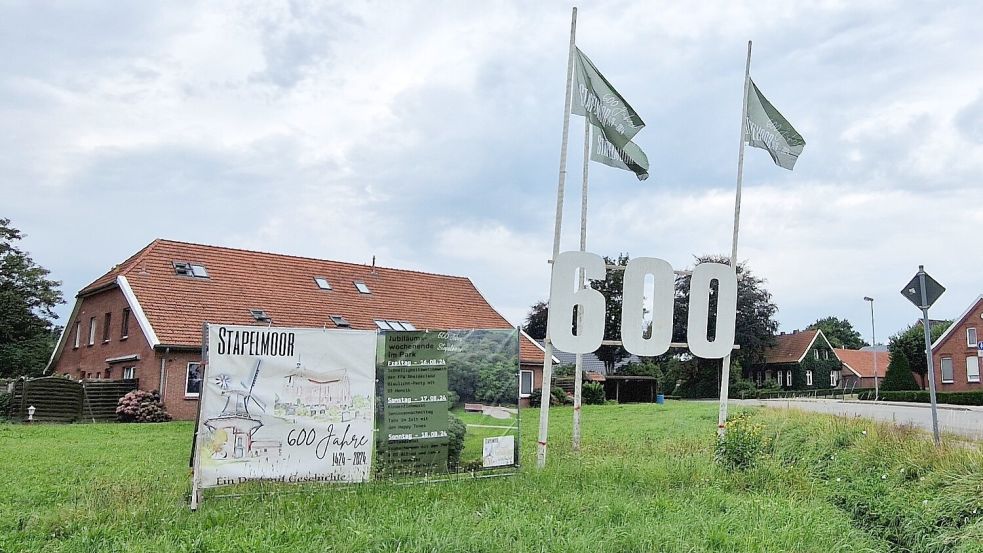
point(725, 364)
point(578, 378)
point(548, 344)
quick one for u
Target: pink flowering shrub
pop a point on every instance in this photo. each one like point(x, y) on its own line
point(141, 406)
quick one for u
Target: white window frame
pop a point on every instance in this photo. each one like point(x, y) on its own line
point(92, 331)
point(815, 353)
point(833, 379)
point(129, 373)
point(78, 332)
point(322, 283)
point(788, 379)
point(532, 383)
point(808, 378)
point(972, 361)
point(971, 342)
point(187, 380)
point(942, 370)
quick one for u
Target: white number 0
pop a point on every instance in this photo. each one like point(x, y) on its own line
point(566, 294)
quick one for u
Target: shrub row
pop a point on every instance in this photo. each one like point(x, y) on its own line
point(922, 396)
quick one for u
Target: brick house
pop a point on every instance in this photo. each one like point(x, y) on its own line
point(954, 354)
point(143, 319)
point(858, 366)
point(799, 361)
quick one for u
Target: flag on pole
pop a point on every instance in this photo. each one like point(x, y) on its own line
point(767, 129)
point(630, 157)
point(615, 121)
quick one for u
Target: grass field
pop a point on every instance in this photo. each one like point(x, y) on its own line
point(645, 481)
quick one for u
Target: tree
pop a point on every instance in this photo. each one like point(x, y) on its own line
point(755, 329)
point(535, 325)
point(27, 301)
point(898, 375)
point(612, 288)
point(910, 343)
point(839, 332)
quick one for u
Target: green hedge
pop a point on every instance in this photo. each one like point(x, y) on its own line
point(922, 396)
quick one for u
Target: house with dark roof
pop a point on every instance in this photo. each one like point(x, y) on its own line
point(144, 318)
point(800, 360)
point(956, 353)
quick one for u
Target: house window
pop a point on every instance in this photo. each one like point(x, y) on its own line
point(971, 337)
point(192, 385)
point(340, 321)
point(972, 369)
point(826, 354)
point(124, 327)
point(322, 283)
point(92, 330)
point(78, 332)
point(808, 378)
point(129, 373)
point(788, 378)
point(260, 315)
point(383, 325)
point(779, 378)
point(947, 370)
point(834, 380)
point(407, 325)
point(105, 327)
point(815, 353)
point(361, 287)
point(525, 383)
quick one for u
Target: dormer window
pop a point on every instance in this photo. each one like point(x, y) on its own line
point(190, 269)
point(393, 325)
point(340, 321)
point(361, 287)
point(322, 283)
point(260, 315)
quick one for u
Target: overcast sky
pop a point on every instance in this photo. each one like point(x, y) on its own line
point(428, 134)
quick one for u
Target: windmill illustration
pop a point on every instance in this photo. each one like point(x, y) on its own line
point(238, 425)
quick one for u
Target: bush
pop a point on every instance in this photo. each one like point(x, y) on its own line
point(141, 406)
point(921, 396)
point(456, 431)
point(898, 375)
point(558, 396)
point(742, 442)
point(593, 394)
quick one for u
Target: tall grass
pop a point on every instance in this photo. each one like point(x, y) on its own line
point(644, 481)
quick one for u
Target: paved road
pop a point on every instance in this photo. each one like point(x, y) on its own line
point(965, 421)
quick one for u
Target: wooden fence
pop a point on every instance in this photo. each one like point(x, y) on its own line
point(58, 399)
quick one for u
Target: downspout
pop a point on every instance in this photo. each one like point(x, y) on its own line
point(163, 365)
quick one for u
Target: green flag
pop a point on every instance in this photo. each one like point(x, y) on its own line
point(767, 129)
point(630, 157)
point(615, 122)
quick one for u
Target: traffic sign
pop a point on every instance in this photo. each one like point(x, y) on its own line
point(913, 290)
point(979, 346)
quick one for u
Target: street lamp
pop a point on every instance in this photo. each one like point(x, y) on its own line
point(873, 344)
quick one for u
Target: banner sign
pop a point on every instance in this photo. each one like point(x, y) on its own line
point(449, 401)
point(286, 405)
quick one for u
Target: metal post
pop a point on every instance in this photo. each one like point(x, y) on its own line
point(928, 357)
point(544, 407)
point(873, 344)
point(578, 378)
point(725, 364)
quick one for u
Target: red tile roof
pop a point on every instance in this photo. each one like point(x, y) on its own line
point(862, 362)
point(284, 287)
point(789, 348)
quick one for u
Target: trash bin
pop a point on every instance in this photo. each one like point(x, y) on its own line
point(660, 398)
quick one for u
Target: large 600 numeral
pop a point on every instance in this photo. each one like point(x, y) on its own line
point(566, 294)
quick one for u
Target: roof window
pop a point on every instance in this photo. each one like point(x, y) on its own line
point(393, 325)
point(190, 269)
point(260, 315)
point(340, 321)
point(322, 283)
point(362, 288)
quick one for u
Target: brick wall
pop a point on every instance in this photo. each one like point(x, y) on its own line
point(89, 361)
point(958, 349)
